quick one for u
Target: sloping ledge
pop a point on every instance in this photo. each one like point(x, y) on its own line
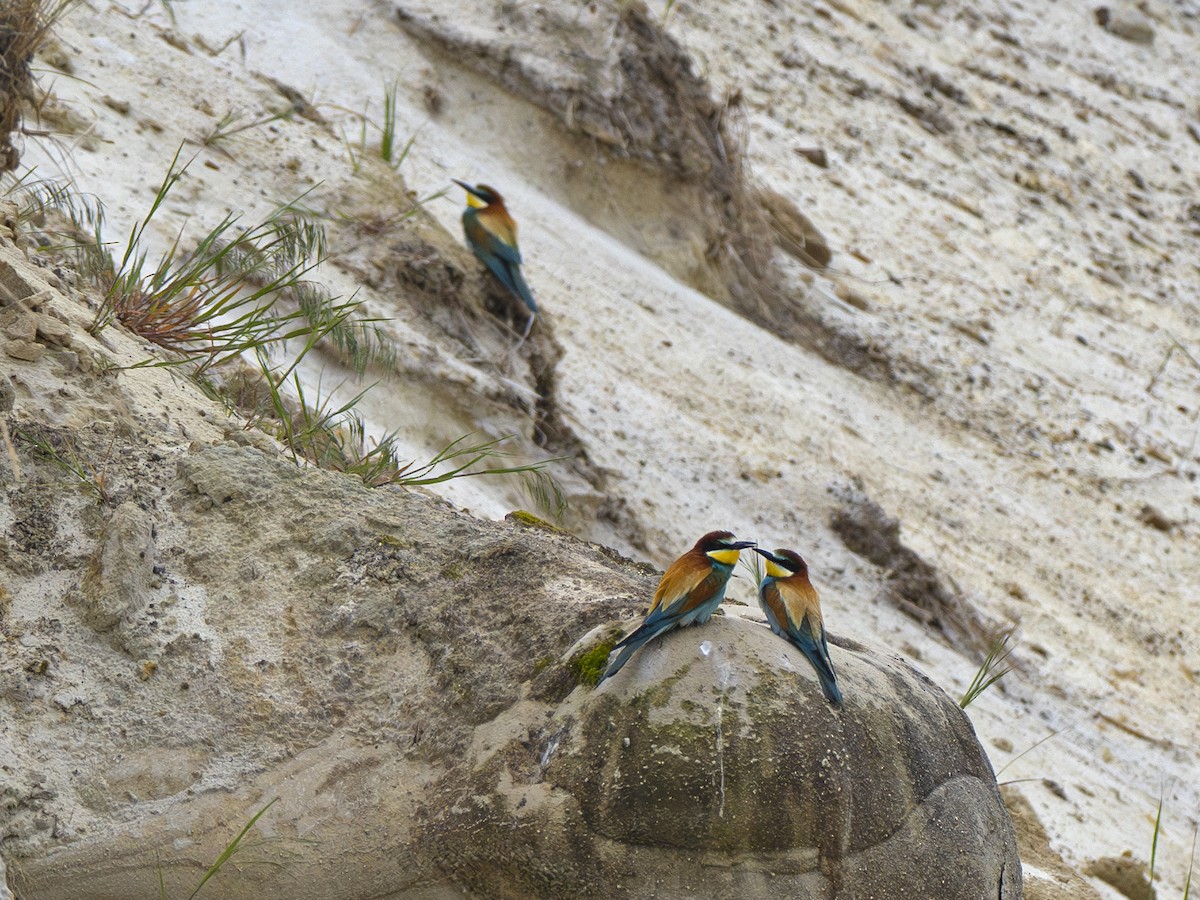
point(398, 676)
point(616, 81)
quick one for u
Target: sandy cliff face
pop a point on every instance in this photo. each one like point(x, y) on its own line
point(1001, 356)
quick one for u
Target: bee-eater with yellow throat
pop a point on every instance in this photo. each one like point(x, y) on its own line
point(492, 234)
point(690, 591)
point(794, 613)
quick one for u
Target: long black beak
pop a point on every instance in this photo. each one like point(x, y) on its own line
point(744, 545)
point(767, 554)
point(469, 189)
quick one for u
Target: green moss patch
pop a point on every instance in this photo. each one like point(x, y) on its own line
point(590, 665)
point(529, 520)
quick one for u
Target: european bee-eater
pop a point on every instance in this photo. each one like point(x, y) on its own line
point(492, 234)
point(690, 592)
point(794, 613)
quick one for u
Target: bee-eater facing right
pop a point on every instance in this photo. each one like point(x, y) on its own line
point(794, 613)
point(492, 234)
point(690, 592)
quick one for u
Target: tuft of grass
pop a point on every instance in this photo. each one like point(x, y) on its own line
point(390, 150)
point(62, 453)
point(994, 667)
point(24, 27)
point(387, 139)
point(220, 300)
point(38, 199)
point(1187, 884)
point(358, 342)
point(316, 431)
point(544, 491)
point(231, 123)
point(356, 149)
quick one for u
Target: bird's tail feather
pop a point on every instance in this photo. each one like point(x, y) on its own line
point(632, 643)
point(615, 666)
point(521, 289)
point(818, 655)
point(829, 685)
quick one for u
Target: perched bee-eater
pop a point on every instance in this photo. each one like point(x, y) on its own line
point(794, 613)
point(492, 235)
point(690, 592)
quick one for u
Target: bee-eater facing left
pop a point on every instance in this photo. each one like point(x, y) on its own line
point(492, 234)
point(794, 613)
point(690, 592)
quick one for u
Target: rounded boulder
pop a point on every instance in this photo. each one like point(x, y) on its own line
point(712, 765)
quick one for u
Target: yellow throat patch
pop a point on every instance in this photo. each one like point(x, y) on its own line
point(724, 557)
point(474, 202)
point(777, 571)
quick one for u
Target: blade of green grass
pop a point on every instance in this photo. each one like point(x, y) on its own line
point(1187, 885)
point(230, 849)
point(1028, 749)
point(133, 260)
point(1154, 840)
point(387, 140)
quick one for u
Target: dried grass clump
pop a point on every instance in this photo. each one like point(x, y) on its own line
point(24, 25)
